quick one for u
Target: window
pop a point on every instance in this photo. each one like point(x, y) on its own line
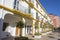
point(15, 3)
point(37, 5)
point(5, 25)
point(29, 10)
point(36, 15)
point(31, 1)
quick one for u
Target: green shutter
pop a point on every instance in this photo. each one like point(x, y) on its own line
point(29, 10)
point(37, 15)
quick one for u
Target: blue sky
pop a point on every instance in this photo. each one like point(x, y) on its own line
point(51, 6)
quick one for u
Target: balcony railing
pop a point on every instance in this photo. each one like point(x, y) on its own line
point(21, 8)
point(32, 14)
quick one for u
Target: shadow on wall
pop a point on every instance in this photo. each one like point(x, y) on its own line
point(8, 36)
point(4, 35)
point(1, 24)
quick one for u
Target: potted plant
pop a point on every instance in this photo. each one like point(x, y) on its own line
point(20, 24)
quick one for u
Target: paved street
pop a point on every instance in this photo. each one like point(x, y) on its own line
point(51, 36)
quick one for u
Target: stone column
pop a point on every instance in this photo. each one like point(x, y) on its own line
point(23, 29)
point(17, 31)
point(38, 27)
point(33, 27)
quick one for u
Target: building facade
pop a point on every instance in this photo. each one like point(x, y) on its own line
point(55, 20)
point(30, 12)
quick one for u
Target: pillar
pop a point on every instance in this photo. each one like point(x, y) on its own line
point(38, 27)
point(33, 27)
point(17, 31)
point(42, 27)
point(23, 29)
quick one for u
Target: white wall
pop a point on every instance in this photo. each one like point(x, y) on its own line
point(12, 20)
point(23, 6)
point(33, 13)
point(9, 4)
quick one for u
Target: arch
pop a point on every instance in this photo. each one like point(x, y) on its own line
point(9, 23)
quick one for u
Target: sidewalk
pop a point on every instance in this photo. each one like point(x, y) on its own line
point(51, 36)
point(43, 36)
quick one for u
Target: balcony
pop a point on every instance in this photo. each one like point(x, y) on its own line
point(18, 12)
point(21, 8)
point(32, 14)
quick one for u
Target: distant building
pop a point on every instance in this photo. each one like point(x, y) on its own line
point(55, 20)
point(59, 21)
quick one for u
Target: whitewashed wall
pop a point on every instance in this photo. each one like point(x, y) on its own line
point(23, 7)
point(9, 4)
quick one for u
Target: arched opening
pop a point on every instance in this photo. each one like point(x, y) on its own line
point(9, 24)
point(28, 26)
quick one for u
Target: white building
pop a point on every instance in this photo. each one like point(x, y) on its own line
point(11, 12)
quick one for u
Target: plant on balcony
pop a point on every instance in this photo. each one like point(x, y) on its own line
point(20, 24)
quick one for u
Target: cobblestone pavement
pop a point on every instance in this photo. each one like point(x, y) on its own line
point(51, 36)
